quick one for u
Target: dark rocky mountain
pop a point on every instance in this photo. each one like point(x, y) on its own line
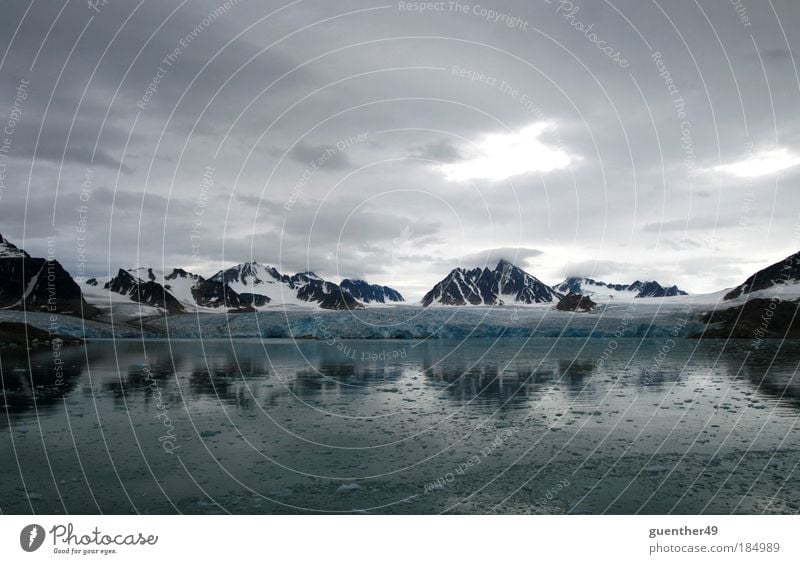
point(239, 289)
point(253, 300)
point(653, 289)
point(575, 302)
point(328, 295)
point(638, 289)
point(38, 284)
point(214, 294)
point(481, 286)
point(756, 319)
point(15, 334)
point(773, 277)
point(369, 293)
point(577, 285)
point(251, 274)
point(264, 280)
point(300, 279)
point(148, 293)
point(524, 288)
point(179, 291)
point(10, 250)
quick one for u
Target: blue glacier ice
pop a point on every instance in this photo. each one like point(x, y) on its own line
point(409, 322)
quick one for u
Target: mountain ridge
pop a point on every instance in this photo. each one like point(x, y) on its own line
point(253, 286)
point(481, 286)
point(775, 276)
point(35, 283)
point(371, 293)
point(599, 289)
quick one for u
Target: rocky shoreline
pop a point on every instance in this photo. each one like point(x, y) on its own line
point(15, 335)
point(755, 319)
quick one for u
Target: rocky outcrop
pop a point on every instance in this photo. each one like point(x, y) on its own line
point(755, 319)
point(38, 284)
point(575, 302)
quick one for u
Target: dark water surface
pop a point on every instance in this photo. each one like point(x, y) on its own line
point(478, 426)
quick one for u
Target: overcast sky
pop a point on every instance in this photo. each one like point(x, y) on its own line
point(617, 140)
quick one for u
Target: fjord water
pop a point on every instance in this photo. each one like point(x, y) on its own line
point(401, 426)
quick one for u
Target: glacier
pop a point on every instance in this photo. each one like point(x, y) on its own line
point(69, 326)
point(678, 316)
point(409, 322)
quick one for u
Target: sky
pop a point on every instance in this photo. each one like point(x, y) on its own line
point(394, 141)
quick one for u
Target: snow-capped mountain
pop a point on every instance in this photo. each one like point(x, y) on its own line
point(148, 292)
point(196, 292)
point(303, 288)
point(10, 250)
point(780, 280)
point(506, 284)
point(177, 291)
point(371, 293)
point(249, 277)
point(327, 294)
point(652, 289)
point(248, 286)
point(214, 294)
point(37, 284)
point(603, 290)
point(179, 282)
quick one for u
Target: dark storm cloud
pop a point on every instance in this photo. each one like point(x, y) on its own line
point(683, 244)
point(387, 87)
point(51, 149)
point(334, 159)
point(116, 62)
point(777, 55)
point(690, 224)
point(442, 151)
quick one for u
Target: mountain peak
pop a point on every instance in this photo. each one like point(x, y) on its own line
point(772, 280)
point(490, 287)
point(367, 293)
point(604, 290)
point(10, 250)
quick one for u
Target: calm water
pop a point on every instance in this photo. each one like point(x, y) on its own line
point(548, 426)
